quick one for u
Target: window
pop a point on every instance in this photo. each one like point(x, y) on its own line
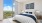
point(27, 6)
point(8, 9)
point(30, 6)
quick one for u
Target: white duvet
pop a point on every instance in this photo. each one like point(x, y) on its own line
point(23, 19)
point(9, 20)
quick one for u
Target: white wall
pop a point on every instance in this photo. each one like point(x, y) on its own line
point(19, 7)
point(28, 2)
point(1, 9)
point(37, 5)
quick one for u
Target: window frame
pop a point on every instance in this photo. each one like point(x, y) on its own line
point(32, 5)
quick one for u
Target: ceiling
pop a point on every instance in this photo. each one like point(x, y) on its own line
point(21, 0)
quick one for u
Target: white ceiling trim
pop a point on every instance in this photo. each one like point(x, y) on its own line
point(21, 0)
